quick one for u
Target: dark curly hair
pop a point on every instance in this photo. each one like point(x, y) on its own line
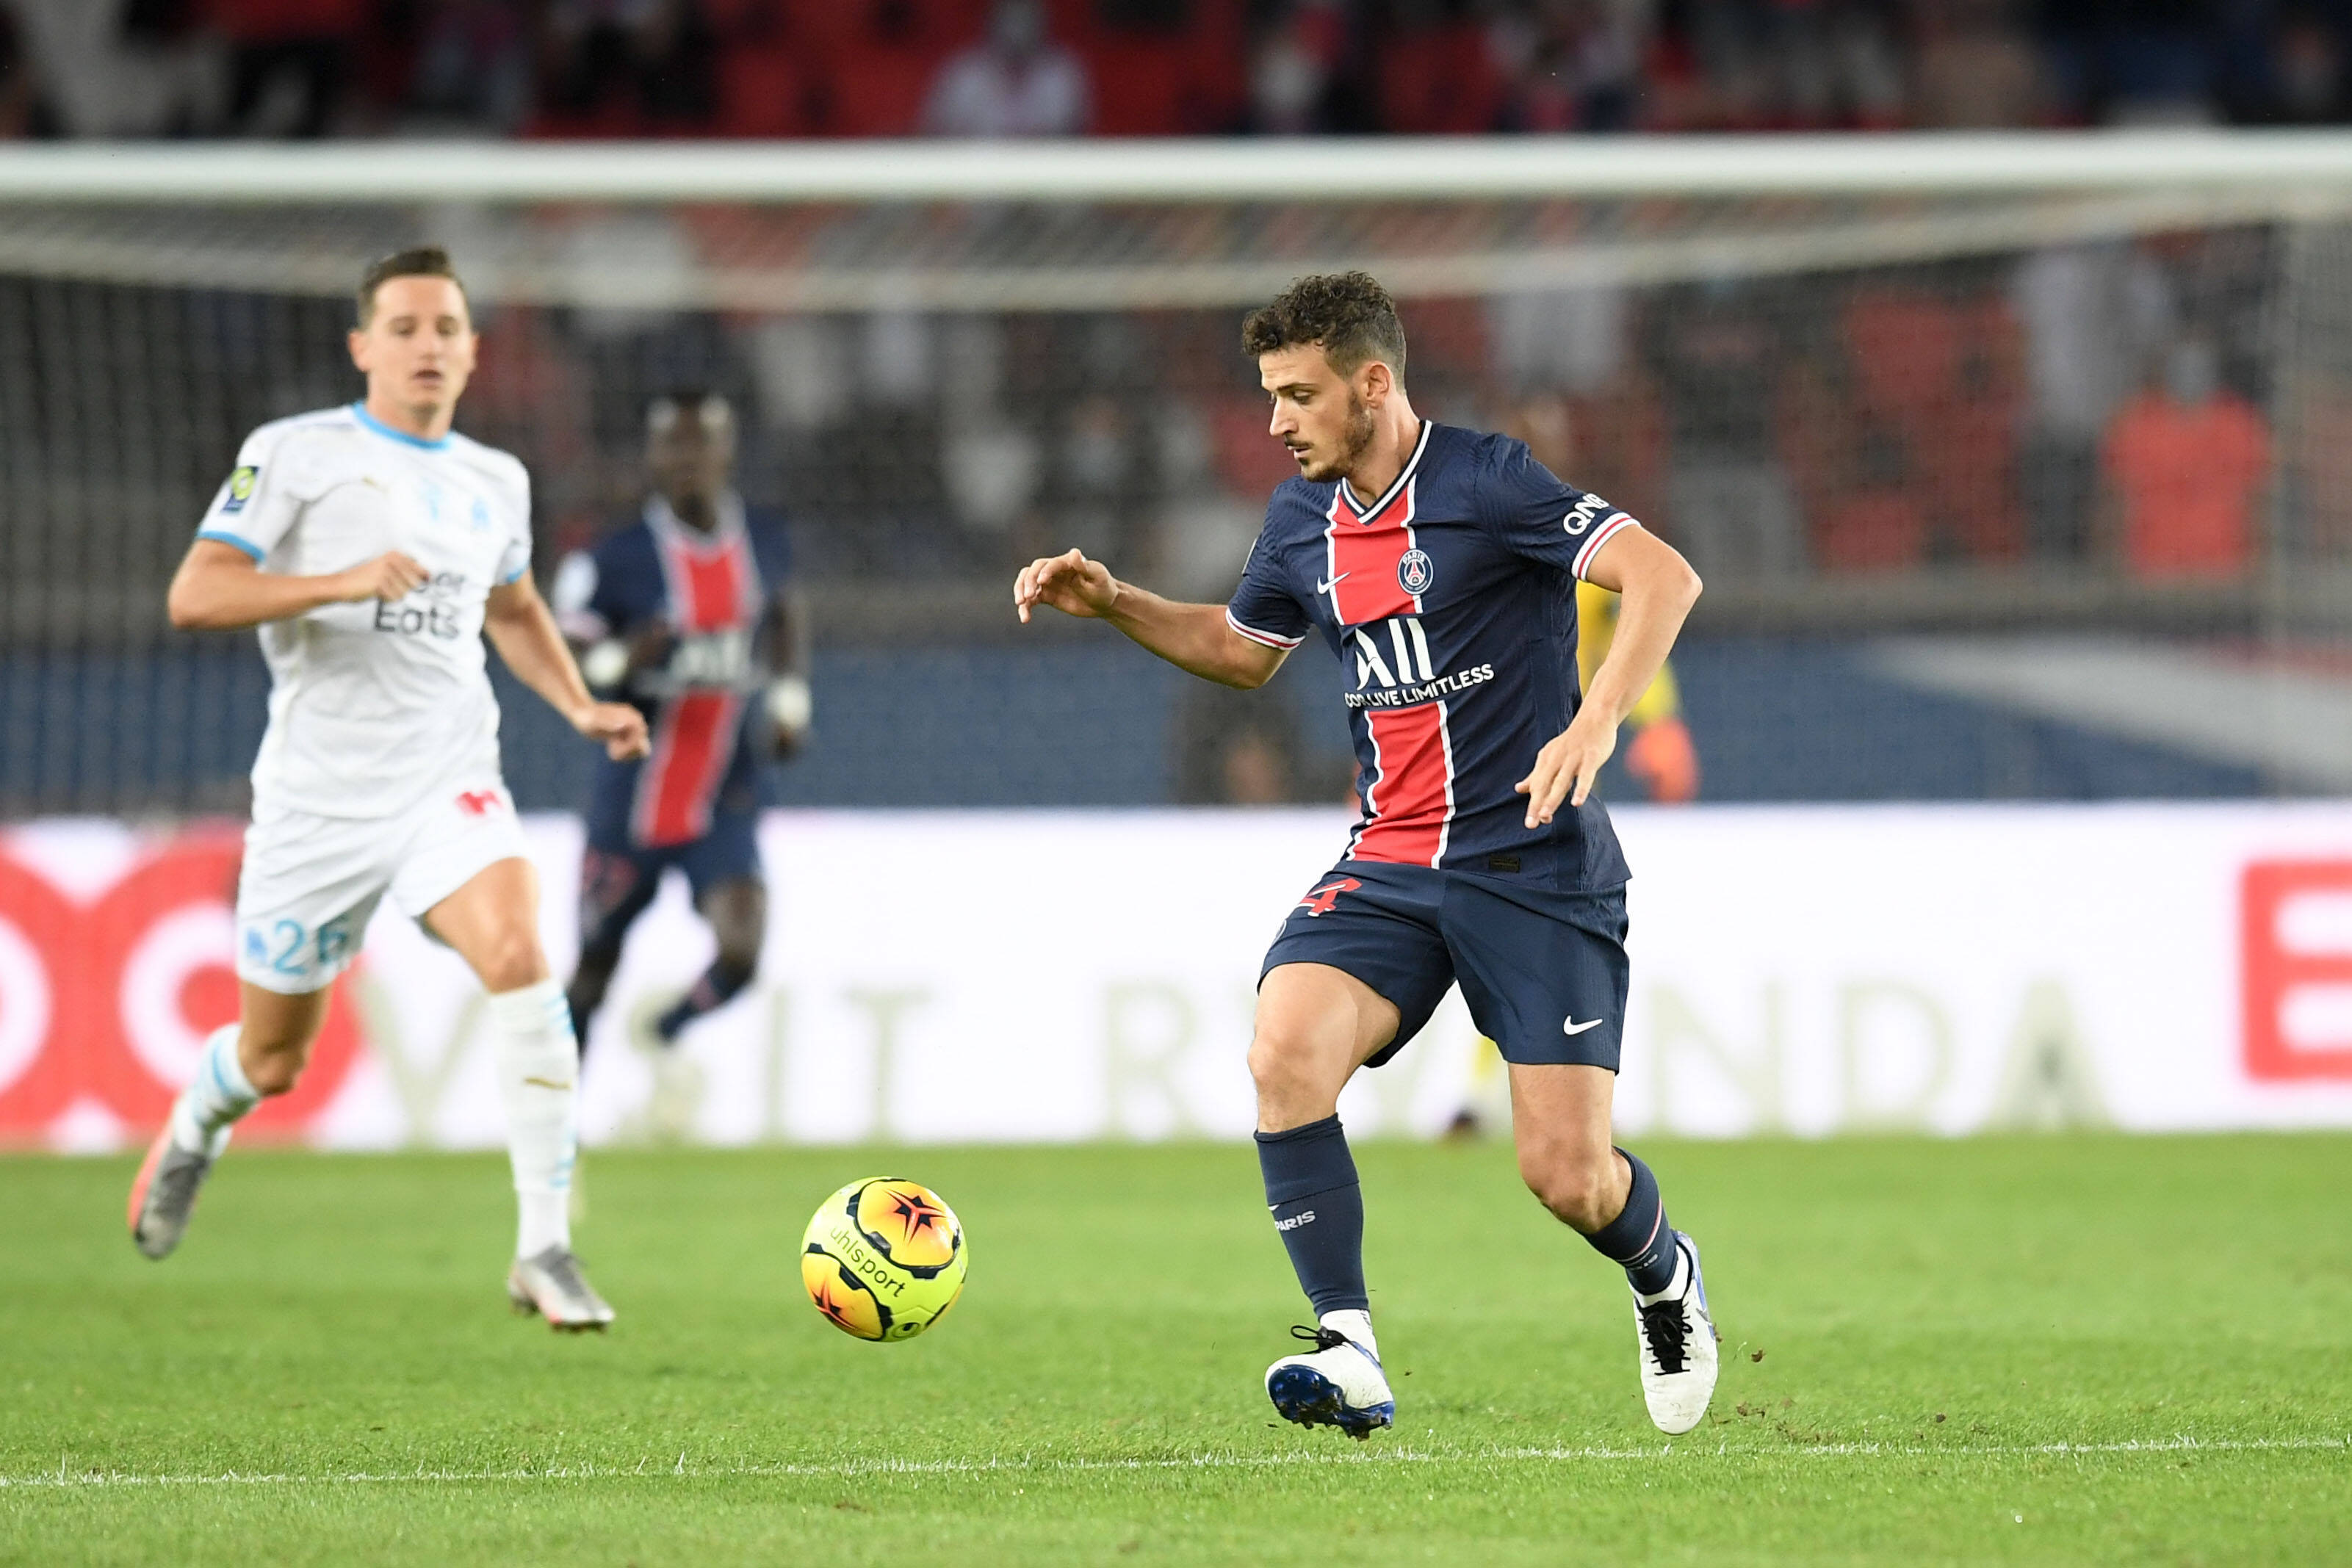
point(1348, 315)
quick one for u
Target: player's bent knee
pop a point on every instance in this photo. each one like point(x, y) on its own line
point(273, 1067)
point(1578, 1190)
point(510, 960)
point(1275, 1065)
point(1294, 1085)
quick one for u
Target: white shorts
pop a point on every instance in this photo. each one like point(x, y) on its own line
point(311, 884)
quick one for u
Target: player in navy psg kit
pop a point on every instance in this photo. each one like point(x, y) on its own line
point(1441, 566)
point(687, 612)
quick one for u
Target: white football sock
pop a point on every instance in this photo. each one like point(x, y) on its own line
point(538, 1080)
point(214, 1099)
point(1356, 1325)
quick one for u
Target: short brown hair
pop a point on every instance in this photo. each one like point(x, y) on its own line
point(1348, 315)
point(420, 261)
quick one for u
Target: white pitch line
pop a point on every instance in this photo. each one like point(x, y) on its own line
point(66, 1478)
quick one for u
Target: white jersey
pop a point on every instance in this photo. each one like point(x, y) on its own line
point(373, 704)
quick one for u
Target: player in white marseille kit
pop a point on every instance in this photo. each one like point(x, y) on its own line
point(1440, 565)
point(375, 548)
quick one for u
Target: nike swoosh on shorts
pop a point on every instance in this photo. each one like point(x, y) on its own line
point(1571, 1027)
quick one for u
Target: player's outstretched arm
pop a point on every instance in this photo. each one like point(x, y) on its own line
point(1193, 637)
point(219, 588)
point(523, 629)
point(1657, 589)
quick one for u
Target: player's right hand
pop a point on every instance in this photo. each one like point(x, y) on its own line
point(390, 576)
point(1069, 582)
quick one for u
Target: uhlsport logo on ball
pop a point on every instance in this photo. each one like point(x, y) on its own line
point(883, 1259)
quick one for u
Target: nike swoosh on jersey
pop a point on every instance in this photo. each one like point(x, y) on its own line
point(1571, 1027)
point(1326, 587)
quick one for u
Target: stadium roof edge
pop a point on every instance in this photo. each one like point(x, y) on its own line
point(1173, 171)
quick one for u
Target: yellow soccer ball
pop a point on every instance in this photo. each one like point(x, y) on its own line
point(883, 1259)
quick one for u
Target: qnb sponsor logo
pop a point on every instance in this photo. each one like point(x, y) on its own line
point(1584, 514)
point(1304, 1216)
point(1394, 669)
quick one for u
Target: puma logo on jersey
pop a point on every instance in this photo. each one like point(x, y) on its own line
point(479, 803)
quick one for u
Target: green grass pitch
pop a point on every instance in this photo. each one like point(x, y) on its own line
point(2055, 1350)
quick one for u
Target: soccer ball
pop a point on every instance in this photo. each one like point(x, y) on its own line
point(883, 1259)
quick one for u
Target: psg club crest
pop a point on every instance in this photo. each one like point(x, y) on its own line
point(1414, 572)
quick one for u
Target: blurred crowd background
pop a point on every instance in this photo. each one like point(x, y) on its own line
point(1154, 67)
point(2049, 503)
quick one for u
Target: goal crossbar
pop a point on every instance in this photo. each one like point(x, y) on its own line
point(1179, 171)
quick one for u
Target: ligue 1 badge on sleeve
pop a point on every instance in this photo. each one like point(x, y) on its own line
point(1414, 572)
point(240, 488)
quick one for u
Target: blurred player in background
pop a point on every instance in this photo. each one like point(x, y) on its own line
point(1437, 563)
point(1660, 754)
point(686, 611)
point(376, 549)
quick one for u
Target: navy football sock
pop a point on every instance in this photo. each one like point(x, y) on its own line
point(1310, 1186)
point(719, 985)
point(1639, 1238)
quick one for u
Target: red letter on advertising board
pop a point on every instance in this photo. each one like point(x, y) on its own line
point(2285, 959)
point(67, 1028)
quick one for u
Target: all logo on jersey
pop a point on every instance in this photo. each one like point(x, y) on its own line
point(240, 488)
point(1415, 572)
point(1393, 667)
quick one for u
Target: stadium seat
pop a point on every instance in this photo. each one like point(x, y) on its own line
point(1439, 81)
point(763, 90)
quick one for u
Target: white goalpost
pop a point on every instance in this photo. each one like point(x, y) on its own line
point(1879, 378)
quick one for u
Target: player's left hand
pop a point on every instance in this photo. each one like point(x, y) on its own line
point(1567, 766)
point(621, 728)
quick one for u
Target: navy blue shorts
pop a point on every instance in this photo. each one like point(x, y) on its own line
point(1544, 972)
point(617, 881)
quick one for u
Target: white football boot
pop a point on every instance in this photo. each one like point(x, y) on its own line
point(550, 1285)
point(1676, 1338)
point(1338, 1384)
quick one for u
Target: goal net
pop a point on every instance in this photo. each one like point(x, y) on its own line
point(1996, 405)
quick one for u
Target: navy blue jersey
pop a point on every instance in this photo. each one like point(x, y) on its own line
point(1451, 603)
point(715, 593)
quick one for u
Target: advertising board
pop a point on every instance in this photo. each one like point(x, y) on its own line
point(938, 977)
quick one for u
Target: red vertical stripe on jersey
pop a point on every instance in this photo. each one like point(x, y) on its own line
point(1411, 804)
point(713, 587)
point(1364, 559)
point(692, 746)
point(710, 585)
